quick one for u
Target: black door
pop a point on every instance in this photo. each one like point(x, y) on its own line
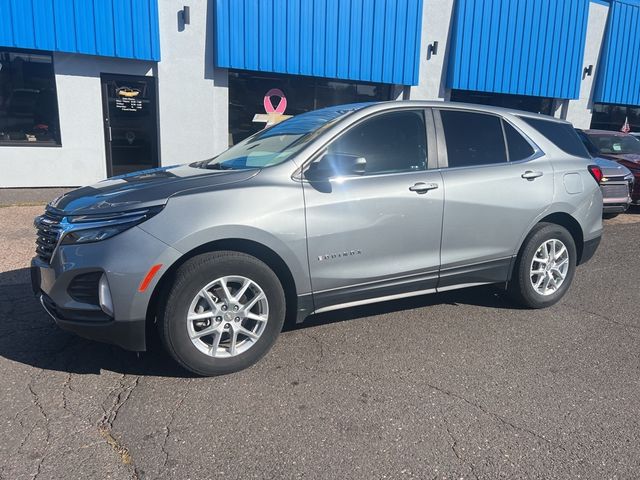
point(130, 123)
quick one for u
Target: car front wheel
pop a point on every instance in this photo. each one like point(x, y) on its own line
point(222, 314)
point(545, 267)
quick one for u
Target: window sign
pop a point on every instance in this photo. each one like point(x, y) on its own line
point(273, 114)
point(258, 99)
point(128, 99)
point(28, 100)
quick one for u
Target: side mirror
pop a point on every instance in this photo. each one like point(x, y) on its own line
point(336, 165)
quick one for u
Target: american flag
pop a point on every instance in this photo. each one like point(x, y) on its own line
point(626, 128)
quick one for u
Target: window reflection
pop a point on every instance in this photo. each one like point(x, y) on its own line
point(28, 101)
point(247, 91)
point(612, 117)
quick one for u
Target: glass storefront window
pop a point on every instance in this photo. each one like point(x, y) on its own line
point(612, 117)
point(248, 89)
point(28, 101)
point(526, 103)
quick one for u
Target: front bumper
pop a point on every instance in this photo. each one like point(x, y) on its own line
point(125, 260)
point(128, 335)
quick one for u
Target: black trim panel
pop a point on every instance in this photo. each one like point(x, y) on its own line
point(492, 271)
point(98, 326)
point(366, 291)
point(589, 250)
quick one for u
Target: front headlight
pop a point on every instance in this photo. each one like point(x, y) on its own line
point(94, 228)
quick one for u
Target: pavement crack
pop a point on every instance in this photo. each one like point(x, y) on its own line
point(110, 415)
point(169, 425)
point(497, 417)
point(603, 317)
point(35, 399)
point(454, 447)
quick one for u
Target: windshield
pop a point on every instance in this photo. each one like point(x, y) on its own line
point(279, 143)
point(616, 144)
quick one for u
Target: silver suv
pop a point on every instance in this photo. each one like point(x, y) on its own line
point(333, 208)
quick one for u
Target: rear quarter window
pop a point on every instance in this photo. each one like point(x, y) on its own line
point(562, 135)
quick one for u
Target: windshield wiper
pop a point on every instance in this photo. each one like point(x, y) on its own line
point(218, 166)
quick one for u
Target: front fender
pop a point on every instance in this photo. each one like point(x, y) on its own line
point(270, 215)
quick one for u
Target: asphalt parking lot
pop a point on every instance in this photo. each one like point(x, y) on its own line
point(458, 385)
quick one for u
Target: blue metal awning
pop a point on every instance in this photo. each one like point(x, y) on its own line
point(366, 40)
point(523, 47)
point(111, 28)
point(618, 72)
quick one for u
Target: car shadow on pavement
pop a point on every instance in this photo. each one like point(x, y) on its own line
point(29, 336)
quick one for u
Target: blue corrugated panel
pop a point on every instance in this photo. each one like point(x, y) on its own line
point(522, 47)
point(618, 73)
point(366, 40)
point(111, 28)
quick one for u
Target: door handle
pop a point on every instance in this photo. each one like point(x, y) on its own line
point(422, 187)
point(531, 175)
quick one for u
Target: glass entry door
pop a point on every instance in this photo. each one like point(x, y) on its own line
point(130, 123)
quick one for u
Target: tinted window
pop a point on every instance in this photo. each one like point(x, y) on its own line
point(591, 148)
point(562, 135)
point(392, 142)
point(28, 99)
point(473, 138)
point(615, 144)
point(518, 147)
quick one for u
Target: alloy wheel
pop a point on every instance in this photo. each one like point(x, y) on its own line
point(227, 316)
point(549, 267)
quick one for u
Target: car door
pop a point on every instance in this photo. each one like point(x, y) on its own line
point(496, 183)
point(376, 235)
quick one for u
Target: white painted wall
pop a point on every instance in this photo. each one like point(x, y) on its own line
point(192, 94)
point(192, 106)
point(437, 18)
point(579, 111)
point(81, 158)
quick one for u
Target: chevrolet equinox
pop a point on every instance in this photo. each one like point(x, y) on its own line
point(338, 207)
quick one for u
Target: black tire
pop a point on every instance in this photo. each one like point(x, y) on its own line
point(520, 288)
point(189, 279)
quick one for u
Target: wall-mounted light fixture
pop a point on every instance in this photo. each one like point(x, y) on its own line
point(186, 15)
point(588, 71)
point(432, 49)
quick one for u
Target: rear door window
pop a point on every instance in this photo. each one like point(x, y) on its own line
point(473, 138)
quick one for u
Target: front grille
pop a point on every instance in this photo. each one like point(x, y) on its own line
point(84, 288)
point(619, 190)
point(48, 231)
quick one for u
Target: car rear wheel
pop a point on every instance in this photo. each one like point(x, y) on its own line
point(222, 314)
point(545, 267)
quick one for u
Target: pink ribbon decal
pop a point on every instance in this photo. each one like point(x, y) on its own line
point(282, 103)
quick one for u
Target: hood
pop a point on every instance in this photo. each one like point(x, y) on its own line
point(144, 189)
point(611, 169)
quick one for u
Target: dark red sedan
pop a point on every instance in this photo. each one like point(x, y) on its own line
point(620, 147)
